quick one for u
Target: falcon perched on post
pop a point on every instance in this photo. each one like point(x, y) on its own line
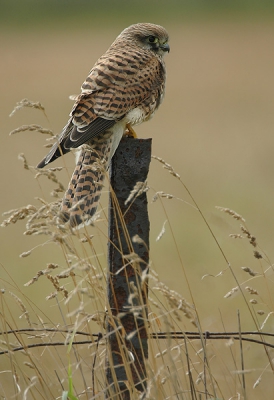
point(124, 88)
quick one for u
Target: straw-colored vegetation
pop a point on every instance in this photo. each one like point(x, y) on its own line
point(66, 358)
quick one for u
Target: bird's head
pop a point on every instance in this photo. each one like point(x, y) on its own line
point(147, 36)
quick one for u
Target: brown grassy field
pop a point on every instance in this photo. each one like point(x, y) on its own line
point(216, 129)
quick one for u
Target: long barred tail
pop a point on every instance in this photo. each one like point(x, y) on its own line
point(84, 190)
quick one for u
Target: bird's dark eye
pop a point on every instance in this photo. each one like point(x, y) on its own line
point(152, 39)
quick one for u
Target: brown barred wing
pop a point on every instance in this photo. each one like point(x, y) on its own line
point(120, 81)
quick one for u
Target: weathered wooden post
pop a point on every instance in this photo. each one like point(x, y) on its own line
point(128, 255)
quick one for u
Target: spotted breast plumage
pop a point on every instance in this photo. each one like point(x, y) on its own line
point(124, 88)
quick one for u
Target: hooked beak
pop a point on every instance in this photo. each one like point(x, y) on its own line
point(165, 47)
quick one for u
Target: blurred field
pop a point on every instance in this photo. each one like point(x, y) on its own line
point(216, 129)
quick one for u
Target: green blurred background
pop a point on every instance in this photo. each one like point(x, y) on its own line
point(215, 127)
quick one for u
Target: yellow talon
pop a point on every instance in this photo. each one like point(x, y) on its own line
point(130, 131)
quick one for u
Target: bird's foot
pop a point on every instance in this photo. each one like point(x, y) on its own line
point(130, 132)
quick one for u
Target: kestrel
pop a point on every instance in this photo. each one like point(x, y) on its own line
point(124, 88)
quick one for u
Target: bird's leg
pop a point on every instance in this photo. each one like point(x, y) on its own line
point(130, 131)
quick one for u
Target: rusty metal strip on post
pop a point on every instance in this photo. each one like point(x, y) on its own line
point(128, 257)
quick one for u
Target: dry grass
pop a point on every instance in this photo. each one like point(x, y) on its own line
point(181, 364)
